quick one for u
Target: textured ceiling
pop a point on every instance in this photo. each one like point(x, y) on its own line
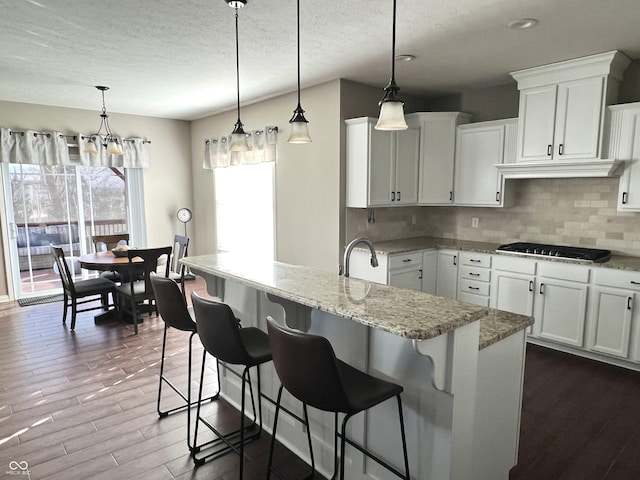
point(176, 59)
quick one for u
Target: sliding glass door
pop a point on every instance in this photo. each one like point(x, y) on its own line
point(58, 204)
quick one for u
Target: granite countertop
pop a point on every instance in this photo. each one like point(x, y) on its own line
point(406, 313)
point(404, 245)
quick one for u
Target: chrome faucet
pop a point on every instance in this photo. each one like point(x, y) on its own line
point(344, 268)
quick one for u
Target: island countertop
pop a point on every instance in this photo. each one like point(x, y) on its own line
point(410, 314)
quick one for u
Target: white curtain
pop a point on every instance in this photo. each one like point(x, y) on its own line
point(30, 147)
point(52, 148)
point(262, 148)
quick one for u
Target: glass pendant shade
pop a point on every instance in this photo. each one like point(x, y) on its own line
point(113, 148)
point(299, 133)
point(239, 139)
point(391, 116)
point(90, 147)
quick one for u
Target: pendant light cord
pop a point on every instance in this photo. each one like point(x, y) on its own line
point(298, 42)
point(238, 66)
point(393, 45)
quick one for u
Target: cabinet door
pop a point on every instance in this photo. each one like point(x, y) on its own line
point(447, 274)
point(381, 167)
point(629, 191)
point(536, 123)
point(579, 119)
point(477, 180)
point(409, 279)
point(612, 311)
point(429, 271)
point(560, 311)
point(437, 154)
point(513, 292)
point(407, 150)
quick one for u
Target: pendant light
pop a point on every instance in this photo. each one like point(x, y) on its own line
point(238, 136)
point(108, 140)
point(391, 107)
point(299, 124)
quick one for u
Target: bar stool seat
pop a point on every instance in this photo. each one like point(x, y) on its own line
point(309, 370)
point(223, 337)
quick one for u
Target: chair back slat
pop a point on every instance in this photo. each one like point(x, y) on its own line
point(219, 330)
point(307, 367)
point(150, 257)
point(171, 304)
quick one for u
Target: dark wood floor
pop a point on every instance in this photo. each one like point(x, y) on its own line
point(78, 405)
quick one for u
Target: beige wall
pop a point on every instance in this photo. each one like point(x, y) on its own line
point(167, 182)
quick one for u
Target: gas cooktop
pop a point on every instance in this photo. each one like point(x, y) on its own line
point(589, 255)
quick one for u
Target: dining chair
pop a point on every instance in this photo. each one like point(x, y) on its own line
point(309, 370)
point(104, 243)
point(135, 292)
point(173, 310)
point(180, 249)
point(82, 291)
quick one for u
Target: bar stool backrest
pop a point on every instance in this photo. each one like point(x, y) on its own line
point(219, 331)
point(307, 368)
point(171, 304)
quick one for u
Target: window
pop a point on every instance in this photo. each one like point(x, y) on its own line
point(245, 209)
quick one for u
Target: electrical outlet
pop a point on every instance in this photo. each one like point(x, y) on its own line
point(475, 222)
point(414, 220)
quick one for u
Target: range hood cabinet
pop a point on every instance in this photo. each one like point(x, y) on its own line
point(564, 169)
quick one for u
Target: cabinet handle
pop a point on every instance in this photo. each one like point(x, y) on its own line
point(405, 260)
point(474, 274)
point(420, 274)
point(398, 195)
point(455, 260)
point(549, 151)
point(497, 196)
point(561, 149)
point(451, 195)
point(474, 260)
point(542, 289)
point(531, 285)
point(633, 282)
point(473, 288)
point(629, 302)
point(625, 197)
point(393, 196)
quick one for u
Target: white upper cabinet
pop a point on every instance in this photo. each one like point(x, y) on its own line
point(382, 166)
point(437, 154)
point(561, 117)
point(624, 145)
point(479, 147)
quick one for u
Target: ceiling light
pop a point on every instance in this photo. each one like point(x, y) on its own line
point(238, 136)
point(523, 23)
point(299, 124)
point(391, 107)
point(108, 140)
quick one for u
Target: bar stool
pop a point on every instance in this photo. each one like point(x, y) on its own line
point(309, 370)
point(173, 310)
point(222, 336)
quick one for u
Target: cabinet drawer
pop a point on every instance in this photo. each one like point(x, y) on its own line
point(405, 260)
point(564, 271)
point(475, 259)
point(512, 264)
point(474, 273)
point(473, 286)
point(612, 277)
point(474, 299)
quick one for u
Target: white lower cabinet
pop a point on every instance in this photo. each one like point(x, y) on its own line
point(474, 277)
point(429, 271)
point(513, 283)
point(447, 274)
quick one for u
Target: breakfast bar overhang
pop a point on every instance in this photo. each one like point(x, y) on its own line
point(461, 366)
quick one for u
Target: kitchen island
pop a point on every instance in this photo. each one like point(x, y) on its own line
point(462, 402)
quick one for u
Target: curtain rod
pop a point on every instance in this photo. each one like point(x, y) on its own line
point(75, 137)
point(257, 132)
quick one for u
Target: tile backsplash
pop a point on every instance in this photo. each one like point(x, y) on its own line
point(576, 211)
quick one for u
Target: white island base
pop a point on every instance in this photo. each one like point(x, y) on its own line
point(461, 404)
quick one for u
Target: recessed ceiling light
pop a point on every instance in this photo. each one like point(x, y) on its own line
point(405, 58)
point(523, 23)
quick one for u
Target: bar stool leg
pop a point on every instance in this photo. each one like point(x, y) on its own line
point(404, 439)
point(273, 435)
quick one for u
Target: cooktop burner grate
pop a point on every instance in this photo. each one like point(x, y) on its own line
point(558, 251)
